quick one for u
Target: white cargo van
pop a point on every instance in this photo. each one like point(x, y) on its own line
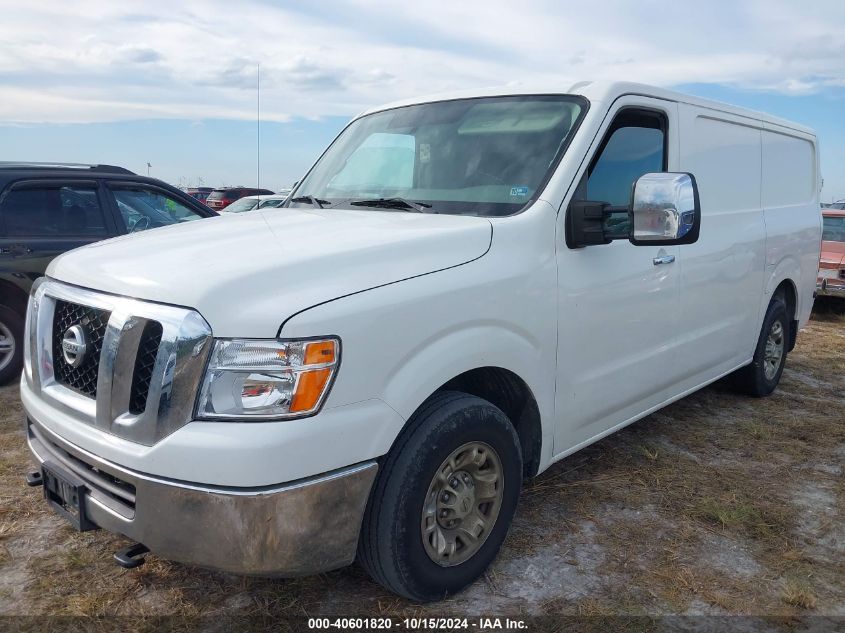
point(461, 291)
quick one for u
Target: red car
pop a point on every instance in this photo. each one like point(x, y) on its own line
point(200, 193)
point(831, 279)
point(224, 196)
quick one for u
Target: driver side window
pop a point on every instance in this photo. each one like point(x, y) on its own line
point(142, 208)
point(634, 145)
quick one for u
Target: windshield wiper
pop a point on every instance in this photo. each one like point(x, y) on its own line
point(392, 203)
point(317, 203)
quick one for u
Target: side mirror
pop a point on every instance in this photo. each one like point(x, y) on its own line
point(665, 209)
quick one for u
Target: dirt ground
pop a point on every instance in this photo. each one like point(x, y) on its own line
point(718, 504)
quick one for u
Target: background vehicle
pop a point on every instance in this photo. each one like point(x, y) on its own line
point(831, 279)
point(449, 301)
point(223, 197)
point(249, 203)
point(48, 209)
point(200, 193)
point(275, 201)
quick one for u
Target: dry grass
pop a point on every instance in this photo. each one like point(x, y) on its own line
point(717, 504)
point(799, 595)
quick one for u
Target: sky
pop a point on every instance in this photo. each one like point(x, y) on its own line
point(173, 84)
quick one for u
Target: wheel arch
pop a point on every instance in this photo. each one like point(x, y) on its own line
point(787, 289)
point(510, 393)
point(13, 296)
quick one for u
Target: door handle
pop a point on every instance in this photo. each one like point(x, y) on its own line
point(18, 249)
point(663, 259)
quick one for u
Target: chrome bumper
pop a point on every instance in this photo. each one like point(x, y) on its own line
point(825, 289)
point(303, 527)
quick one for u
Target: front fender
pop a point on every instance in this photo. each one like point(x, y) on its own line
point(402, 342)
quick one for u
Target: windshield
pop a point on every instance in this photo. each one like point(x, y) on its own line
point(486, 156)
point(142, 208)
point(833, 229)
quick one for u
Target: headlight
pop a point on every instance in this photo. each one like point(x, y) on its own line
point(267, 379)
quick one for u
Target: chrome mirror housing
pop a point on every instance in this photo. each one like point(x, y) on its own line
point(665, 209)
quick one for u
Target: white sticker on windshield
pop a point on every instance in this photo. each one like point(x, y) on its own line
point(425, 152)
point(519, 191)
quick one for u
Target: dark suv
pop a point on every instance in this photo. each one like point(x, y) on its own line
point(47, 209)
point(224, 196)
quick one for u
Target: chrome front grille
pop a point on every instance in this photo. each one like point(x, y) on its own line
point(84, 377)
point(144, 364)
point(141, 367)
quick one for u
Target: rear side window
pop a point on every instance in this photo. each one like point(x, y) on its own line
point(834, 229)
point(53, 211)
point(143, 208)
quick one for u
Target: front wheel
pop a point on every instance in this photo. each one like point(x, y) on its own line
point(444, 498)
point(11, 344)
point(763, 374)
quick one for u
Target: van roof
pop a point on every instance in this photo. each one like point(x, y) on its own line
point(598, 92)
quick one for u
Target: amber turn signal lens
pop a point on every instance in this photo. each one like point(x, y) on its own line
point(320, 353)
point(309, 388)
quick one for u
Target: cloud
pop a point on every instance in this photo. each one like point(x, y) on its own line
point(141, 55)
point(97, 61)
point(312, 75)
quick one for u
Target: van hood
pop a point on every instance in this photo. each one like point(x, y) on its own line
point(247, 274)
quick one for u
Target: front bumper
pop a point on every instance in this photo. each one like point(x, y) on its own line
point(824, 288)
point(303, 527)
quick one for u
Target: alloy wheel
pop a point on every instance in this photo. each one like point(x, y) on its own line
point(773, 354)
point(7, 346)
point(462, 504)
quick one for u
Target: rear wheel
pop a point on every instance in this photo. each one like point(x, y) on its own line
point(763, 374)
point(11, 344)
point(444, 498)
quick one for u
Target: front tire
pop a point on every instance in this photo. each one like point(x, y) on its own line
point(11, 344)
point(763, 374)
point(444, 498)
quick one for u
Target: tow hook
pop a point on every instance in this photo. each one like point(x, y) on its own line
point(34, 479)
point(131, 557)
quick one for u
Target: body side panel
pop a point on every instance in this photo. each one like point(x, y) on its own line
point(790, 198)
point(722, 273)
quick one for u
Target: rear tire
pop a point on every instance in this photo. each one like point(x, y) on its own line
point(763, 374)
point(444, 498)
point(11, 344)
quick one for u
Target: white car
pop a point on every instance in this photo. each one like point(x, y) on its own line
point(247, 203)
point(250, 203)
point(275, 201)
point(461, 291)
